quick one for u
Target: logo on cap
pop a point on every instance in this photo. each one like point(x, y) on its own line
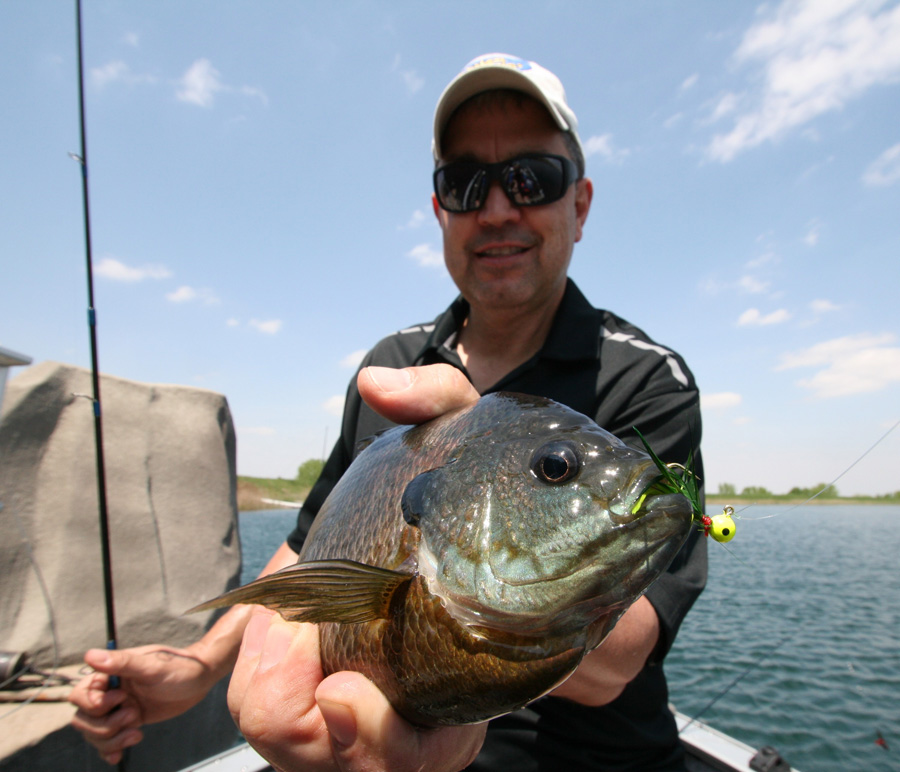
point(495, 60)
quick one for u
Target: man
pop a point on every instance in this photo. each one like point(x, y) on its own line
point(511, 200)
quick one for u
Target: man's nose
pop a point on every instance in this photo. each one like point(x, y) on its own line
point(497, 209)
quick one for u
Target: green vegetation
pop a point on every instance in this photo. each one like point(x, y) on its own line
point(309, 472)
point(253, 490)
point(728, 493)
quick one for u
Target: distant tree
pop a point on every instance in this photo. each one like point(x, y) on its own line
point(309, 472)
point(727, 489)
point(821, 490)
point(756, 491)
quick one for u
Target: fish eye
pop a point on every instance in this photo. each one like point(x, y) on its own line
point(556, 463)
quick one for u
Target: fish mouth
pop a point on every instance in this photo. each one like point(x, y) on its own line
point(636, 501)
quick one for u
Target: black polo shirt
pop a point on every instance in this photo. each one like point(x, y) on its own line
point(602, 366)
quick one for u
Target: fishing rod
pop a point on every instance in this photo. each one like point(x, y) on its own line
point(95, 370)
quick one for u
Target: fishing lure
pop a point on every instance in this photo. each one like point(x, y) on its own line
point(678, 478)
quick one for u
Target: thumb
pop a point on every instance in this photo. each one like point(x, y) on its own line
point(414, 395)
point(367, 733)
point(118, 662)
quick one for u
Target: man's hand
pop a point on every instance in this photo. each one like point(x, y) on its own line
point(414, 395)
point(158, 682)
point(300, 721)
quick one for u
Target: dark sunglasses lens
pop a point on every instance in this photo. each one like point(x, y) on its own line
point(533, 181)
point(461, 187)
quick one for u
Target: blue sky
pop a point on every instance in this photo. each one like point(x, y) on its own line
point(260, 196)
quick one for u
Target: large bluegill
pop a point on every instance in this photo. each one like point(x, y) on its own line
point(467, 565)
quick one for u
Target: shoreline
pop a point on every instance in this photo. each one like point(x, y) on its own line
point(718, 500)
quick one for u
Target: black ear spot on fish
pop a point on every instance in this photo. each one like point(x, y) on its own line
point(412, 503)
point(556, 462)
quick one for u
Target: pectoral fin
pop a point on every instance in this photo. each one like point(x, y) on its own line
point(320, 591)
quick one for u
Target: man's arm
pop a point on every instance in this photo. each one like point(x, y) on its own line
point(604, 673)
point(157, 682)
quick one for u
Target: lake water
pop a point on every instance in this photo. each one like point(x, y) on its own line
point(802, 610)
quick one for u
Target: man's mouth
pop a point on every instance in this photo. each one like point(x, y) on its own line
point(501, 251)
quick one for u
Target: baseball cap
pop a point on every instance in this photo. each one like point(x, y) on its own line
point(494, 71)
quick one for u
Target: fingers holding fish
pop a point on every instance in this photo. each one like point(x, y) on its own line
point(271, 695)
point(298, 721)
point(368, 734)
point(415, 394)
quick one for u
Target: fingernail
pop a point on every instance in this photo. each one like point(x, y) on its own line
point(340, 720)
point(278, 641)
point(100, 656)
point(389, 378)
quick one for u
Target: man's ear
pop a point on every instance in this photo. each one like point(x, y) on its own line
point(584, 193)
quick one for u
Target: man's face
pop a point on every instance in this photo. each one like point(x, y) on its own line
point(503, 256)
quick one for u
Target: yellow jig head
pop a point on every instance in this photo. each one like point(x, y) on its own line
point(721, 527)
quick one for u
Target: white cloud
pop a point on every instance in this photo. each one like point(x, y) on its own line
point(110, 268)
point(752, 285)
point(853, 364)
point(673, 120)
point(726, 105)
point(416, 220)
point(233, 322)
point(269, 327)
point(199, 84)
point(602, 146)
point(257, 93)
point(411, 79)
point(353, 359)
point(689, 82)
point(769, 256)
point(823, 306)
point(117, 72)
point(753, 318)
point(810, 57)
point(884, 170)
point(426, 256)
point(260, 431)
point(131, 39)
point(334, 405)
point(812, 235)
point(720, 400)
point(185, 294)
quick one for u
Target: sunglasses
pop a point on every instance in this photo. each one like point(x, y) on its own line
point(529, 180)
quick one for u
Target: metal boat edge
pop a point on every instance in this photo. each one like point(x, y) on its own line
point(708, 750)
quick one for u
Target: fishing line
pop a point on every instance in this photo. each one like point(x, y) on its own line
point(743, 674)
point(825, 487)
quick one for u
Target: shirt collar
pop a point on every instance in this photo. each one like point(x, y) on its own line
point(574, 334)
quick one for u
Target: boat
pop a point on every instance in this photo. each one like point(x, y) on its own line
point(707, 750)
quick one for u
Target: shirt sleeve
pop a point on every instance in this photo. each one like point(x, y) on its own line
point(667, 413)
point(341, 457)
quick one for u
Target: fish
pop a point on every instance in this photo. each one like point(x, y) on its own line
point(467, 565)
